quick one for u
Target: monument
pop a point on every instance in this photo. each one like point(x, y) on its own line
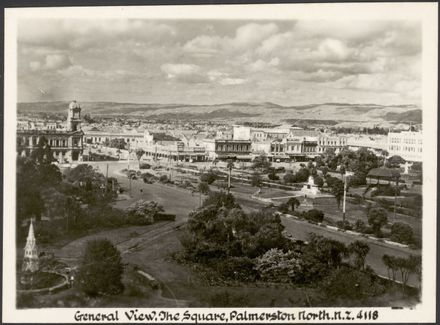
point(310, 189)
point(30, 259)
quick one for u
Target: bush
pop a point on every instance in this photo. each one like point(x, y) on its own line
point(385, 190)
point(402, 233)
point(277, 266)
point(283, 208)
point(227, 298)
point(209, 177)
point(145, 166)
point(289, 178)
point(314, 215)
point(163, 179)
point(360, 226)
point(237, 268)
point(143, 212)
point(346, 225)
point(349, 283)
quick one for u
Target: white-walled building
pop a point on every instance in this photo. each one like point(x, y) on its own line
point(406, 144)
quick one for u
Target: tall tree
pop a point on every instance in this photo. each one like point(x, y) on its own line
point(139, 153)
point(203, 188)
point(261, 163)
point(293, 202)
point(377, 217)
point(360, 250)
point(101, 269)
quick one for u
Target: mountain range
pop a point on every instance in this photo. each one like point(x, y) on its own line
point(339, 113)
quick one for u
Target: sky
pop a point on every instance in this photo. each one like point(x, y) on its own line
point(220, 61)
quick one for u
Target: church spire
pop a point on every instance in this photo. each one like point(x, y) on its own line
point(30, 260)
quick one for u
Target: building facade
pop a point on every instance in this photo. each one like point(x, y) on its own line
point(406, 144)
point(66, 144)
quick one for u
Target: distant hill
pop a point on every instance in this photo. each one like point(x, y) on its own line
point(252, 112)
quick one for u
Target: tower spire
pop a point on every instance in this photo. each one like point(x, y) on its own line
point(30, 259)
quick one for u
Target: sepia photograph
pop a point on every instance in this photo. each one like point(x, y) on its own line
point(221, 157)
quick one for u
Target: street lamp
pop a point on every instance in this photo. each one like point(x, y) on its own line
point(346, 175)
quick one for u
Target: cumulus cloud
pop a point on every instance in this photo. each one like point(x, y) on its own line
point(232, 81)
point(53, 62)
point(246, 37)
point(82, 34)
point(267, 59)
point(189, 73)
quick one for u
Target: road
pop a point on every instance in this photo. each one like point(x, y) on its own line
point(180, 202)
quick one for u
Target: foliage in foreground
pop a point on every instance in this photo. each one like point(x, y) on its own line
point(101, 269)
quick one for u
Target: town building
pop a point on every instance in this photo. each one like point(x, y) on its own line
point(94, 136)
point(158, 146)
point(406, 144)
point(66, 143)
point(326, 141)
point(232, 149)
point(376, 143)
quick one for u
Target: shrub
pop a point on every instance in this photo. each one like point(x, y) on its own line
point(283, 208)
point(352, 284)
point(377, 217)
point(209, 177)
point(385, 190)
point(163, 179)
point(143, 212)
point(237, 268)
point(402, 233)
point(227, 298)
point(360, 226)
point(145, 166)
point(346, 225)
point(314, 215)
point(277, 266)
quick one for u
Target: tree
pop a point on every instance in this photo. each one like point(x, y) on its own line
point(318, 181)
point(405, 266)
point(402, 233)
point(293, 202)
point(289, 177)
point(377, 217)
point(100, 272)
point(360, 250)
point(256, 180)
point(88, 118)
point(261, 163)
point(394, 161)
point(220, 199)
point(143, 212)
point(139, 153)
point(208, 177)
point(43, 153)
point(302, 175)
point(203, 188)
point(273, 175)
point(337, 189)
